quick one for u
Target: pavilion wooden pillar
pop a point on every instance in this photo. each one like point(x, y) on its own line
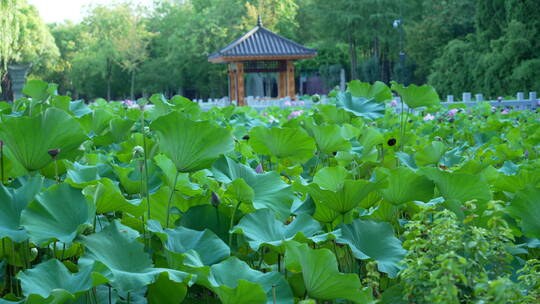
point(282, 84)
point(240, 81)
point(291, 90)
point(232, 82)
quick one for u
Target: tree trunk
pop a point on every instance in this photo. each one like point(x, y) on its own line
point(109, 79)
point(7, 92)
point(352, 55)
point(132, 91)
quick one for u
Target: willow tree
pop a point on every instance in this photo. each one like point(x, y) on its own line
point(24, 38)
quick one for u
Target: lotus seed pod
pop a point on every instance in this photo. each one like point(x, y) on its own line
point(53, 152)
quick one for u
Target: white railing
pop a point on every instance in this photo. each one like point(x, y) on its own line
point(261, 103)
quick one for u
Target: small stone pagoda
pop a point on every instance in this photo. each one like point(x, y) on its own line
point(261, 51)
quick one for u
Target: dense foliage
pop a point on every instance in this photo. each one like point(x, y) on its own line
point(160, 202)
point(121, 50)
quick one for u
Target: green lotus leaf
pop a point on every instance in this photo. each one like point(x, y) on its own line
point(526, 207)
point(367, 108)
point(122, 259)
point(332, 190)
point(191, 145)
point(12, 203)
point(405, 185)
point(518, 181)
point(165, 291)
point(322, 279)
point(417, 96)
point(329, 139)
point(235, 282)
point(375, 240)
point(378, 91)
point(36, 89)
point(208, 245)
point(97, 122)
point(52, 278)
point(183, 184)
point(107, 197)
point(459, 187)
point(30, 138)
point(293, 144)
point(261, 228)
point(431, 154)
point(79, 108)
point(80, 176)
point(58, 213)
point(269, 190)
point(207, 217)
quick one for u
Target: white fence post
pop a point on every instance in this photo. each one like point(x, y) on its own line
point(450, 98)
point(466, 97)
point(479, 97)
point(520, 96)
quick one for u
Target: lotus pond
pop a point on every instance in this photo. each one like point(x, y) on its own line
point(159, 202)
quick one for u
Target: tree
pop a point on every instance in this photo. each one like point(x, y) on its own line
point(24, 38)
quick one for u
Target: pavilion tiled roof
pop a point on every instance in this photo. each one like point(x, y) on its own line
point(261, 43)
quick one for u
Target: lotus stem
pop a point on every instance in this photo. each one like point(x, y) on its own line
point(274, 293)
point(173, 188)
point(232, 222)
point(2, 161)
point(145, 155)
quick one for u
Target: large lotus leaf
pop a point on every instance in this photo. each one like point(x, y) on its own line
point(191, 145)
point(261, 228)
point(379, 90)
point(526, 206)
point(405, 185)
point(97, 121)
point(331, 178)
point(59, 213)
point(30, 138)
point(122, 259)
point(208, 245)
point(165, 291)
point(293, 144)
point(12, 203)
point(375, 240)
point(36, 89)
point(360, 106)
point(270, 191)
point(52, 278)
point(322, 279)
point(235, 282)
point(431, 154)
point(459, 187)
point(345, 199)
point(80, 176)
point(417, 96)
point(517, 182)
point(329, 139)
point(207, 217)
point(107, 197)
point(183, 184)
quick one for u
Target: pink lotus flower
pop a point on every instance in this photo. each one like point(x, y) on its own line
point(303, 103)
point(538, 102)
point(287, 103)
point(429, 117)
point(265, 113)
point(453, 112)
point(295, 114)
point(393, 103)
point(505, 111)
point(131, 104)
point(500, 98)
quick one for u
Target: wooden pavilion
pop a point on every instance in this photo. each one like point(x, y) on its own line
point(261, 51)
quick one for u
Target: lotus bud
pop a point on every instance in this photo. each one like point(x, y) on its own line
point(53, 153)
point(316, 98)
point(246, 137)
point(146, 130)
point(259, 169)
point(215, 200)
point(138, 151)
point(392, 142)
point(438, 138)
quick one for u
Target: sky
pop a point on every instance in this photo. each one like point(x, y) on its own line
point(60, 10)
